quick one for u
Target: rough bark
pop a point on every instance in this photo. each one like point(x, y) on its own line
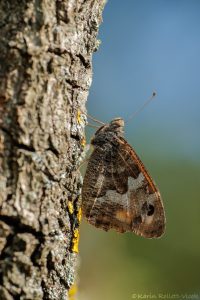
point(45, 74)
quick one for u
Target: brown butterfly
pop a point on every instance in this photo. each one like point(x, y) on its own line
point(118, 193)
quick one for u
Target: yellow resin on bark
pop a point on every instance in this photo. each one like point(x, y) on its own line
point(73, 291)
point(76, 235)
point(70, 207)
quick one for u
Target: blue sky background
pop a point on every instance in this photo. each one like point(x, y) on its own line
point(147, 45)
point(150, 45)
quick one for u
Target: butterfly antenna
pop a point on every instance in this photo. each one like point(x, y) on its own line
point(93, 126)
point(95, 120)
point(143, 106)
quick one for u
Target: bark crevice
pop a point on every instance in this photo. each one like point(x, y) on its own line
point(46, 52)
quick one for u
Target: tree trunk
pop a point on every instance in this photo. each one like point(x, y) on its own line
point(45, 74)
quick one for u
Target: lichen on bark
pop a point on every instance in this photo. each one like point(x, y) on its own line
point(46, 49)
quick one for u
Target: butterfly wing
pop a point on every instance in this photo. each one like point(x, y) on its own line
point(119, 193)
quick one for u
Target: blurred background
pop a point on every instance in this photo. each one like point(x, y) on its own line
point(150, 45)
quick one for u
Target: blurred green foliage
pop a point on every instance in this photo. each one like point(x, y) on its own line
point(117, 266)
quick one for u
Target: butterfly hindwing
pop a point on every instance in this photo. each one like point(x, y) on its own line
point(146, 211)
point(118, 192)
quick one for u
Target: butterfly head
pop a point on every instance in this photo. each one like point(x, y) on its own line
point(117, 124)
point(106, 132)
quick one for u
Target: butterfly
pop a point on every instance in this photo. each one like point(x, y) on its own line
point(118, 192)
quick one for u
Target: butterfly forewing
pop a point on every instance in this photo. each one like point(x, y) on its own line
point(118, 193)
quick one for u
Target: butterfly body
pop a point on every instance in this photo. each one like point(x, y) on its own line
point(118, 192)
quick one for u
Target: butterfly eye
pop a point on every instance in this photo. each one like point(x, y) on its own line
point(150, 210)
